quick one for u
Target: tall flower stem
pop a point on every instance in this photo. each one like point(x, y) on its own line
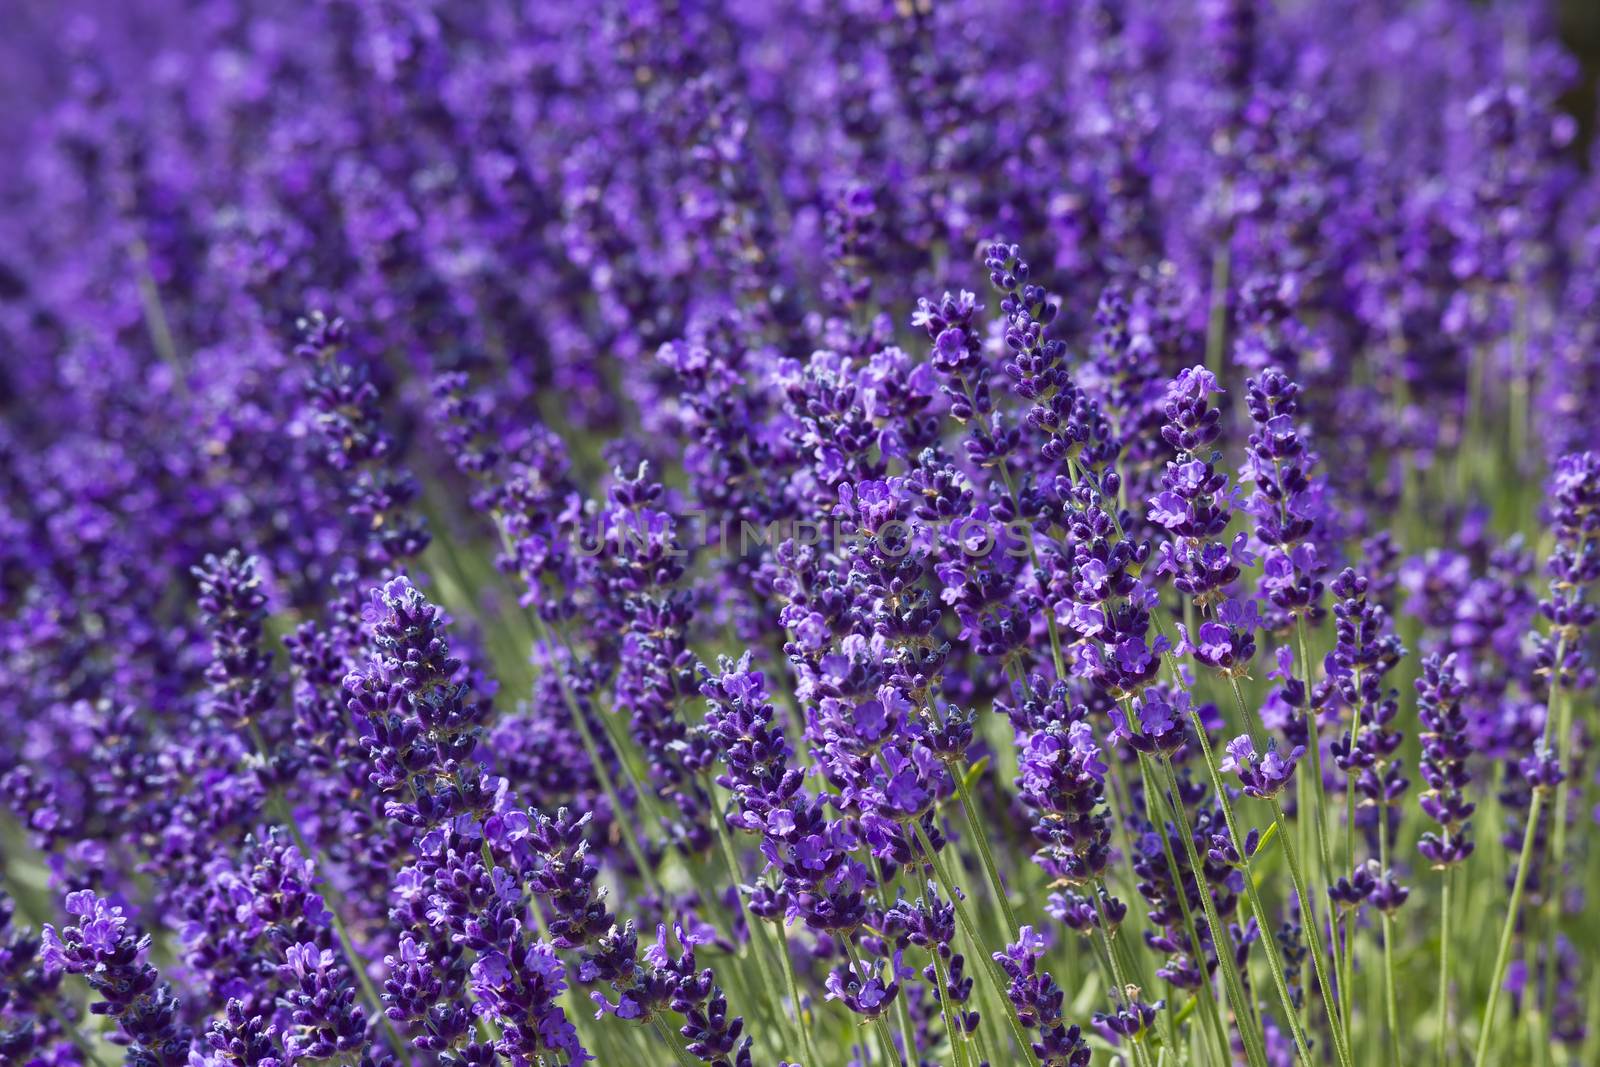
point(1560, 711)
point(801, 1016)
point(1315, 812)
point(1524, 864)
point(982, 842)
point(672, 1042)
point(1208, 1003)
point(88, 1046)
point(620, 820)
point(758, 933)
point(1503, 954)
point(1441, 1038)
point(1221, 277)
point(1121, 801)
point(1341, 1037)
point(1119, 979)
point(1274, 962)
point(1221, 940)
point(1337, 1023)
point(1391, 1010)
point(990, 968)
point(1346, 982)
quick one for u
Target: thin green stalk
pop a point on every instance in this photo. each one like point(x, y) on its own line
point(986, 963)
point(1221, 940)
point(85, 1045)
point(1525, 856)
point(672, 1042)
point(1316, 811)
point(1208, 1003)
point(1520, 375)
point(1590, 1052)
point(1441, 1037)
point(986, 855)
point(1390, 1008)
point(1308, 910)
point(984, 1055)
point(1560, 711)
point(1444, 973)
point(1503, 955)
point(621, 821)
point(908, 1034)
point(1341, 1037)
point(901, 1012)
point(1269, 944)
point(757, 932)
point(801, 1015)
point(155, 314)
point(1134, 965)
point(1346, 985)
point(1141, 1053)
point(1221, 271)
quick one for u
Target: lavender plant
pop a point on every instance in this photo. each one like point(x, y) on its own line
point(883, 534)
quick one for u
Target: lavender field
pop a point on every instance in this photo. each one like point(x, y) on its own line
point(798, 534)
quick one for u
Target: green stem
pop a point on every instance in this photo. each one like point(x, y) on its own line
point(757, 932)
point(672, 1042)
point(1308, 910)
point(1439, 1041)
point(1346, 984)
point(1525, 856)
point(1269, 944)
point(801, 1015)
point(1503, 955)
point(1316, 811)
point(1208, 1003)
point(620, 819)
point(1341, 1037)
point(155, 314)
point(1559, 710)
point(1391, 1010)
point(1244, 1016)
point(1119, 980)
point(1221, 269)
point(83, 1044)
point(987, 856)
point(987, 963)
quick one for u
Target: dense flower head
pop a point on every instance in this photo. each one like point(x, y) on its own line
point(1037, 1000)
point(1445, 750)
point(233, 604)
point(422, 721)
point(104, 946)
point(1062, 779)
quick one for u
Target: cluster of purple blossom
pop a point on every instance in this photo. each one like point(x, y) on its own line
point(376, 702)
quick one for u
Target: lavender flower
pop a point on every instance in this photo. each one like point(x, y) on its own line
point(1263, 776)
point(108, 950)
point(1037, 1000)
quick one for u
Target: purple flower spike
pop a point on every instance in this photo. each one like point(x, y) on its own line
point(1262, 776)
